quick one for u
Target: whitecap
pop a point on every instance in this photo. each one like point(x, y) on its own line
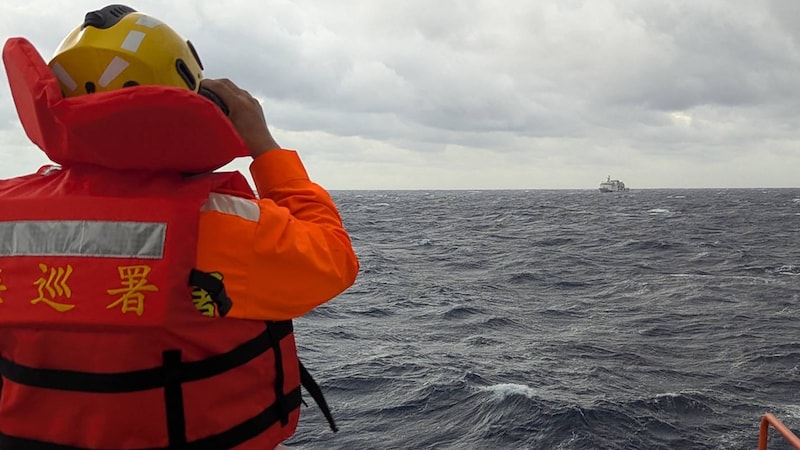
point(504, 390)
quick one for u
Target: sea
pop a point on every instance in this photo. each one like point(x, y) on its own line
point(560, 319)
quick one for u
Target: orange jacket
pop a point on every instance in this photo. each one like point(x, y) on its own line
point(281, 255)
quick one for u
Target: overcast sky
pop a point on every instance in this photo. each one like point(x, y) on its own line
point(470, 94)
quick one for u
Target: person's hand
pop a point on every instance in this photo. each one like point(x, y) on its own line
point(246, 115)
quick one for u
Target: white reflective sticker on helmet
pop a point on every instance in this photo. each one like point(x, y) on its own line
point(148, 22)
point(62, 75)
point(132, 41)
point(115, 67)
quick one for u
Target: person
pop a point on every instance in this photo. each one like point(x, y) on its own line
point(146, 298)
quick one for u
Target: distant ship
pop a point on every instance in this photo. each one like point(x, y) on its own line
point(613, 186)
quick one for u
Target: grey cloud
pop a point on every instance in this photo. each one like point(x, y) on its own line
point(564, 82)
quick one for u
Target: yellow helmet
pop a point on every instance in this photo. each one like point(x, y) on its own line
point(118, 47)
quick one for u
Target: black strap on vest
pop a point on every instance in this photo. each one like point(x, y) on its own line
point(228, 439)
point(141, 380)
point(169, 376)
point(173, 399)
point(215, 288)
point(280, 377)
point(316, 393)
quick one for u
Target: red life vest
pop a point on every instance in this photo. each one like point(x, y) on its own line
point(100, 344)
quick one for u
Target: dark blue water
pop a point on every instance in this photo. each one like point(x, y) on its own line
point(653, 319)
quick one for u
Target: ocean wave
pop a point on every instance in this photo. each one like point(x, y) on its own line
point(502, 391)
point(560, 320)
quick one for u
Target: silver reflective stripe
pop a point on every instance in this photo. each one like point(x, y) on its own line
point(114, 68)
point(229, 204)
point(83, 238)
point(132, 41)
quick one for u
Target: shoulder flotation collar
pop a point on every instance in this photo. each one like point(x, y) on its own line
point(142, 127)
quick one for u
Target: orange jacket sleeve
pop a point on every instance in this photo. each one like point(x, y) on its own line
point(282, 255)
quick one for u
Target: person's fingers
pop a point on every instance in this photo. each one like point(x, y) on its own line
point(246, 114)
point(229, 92)
point(224, 88)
